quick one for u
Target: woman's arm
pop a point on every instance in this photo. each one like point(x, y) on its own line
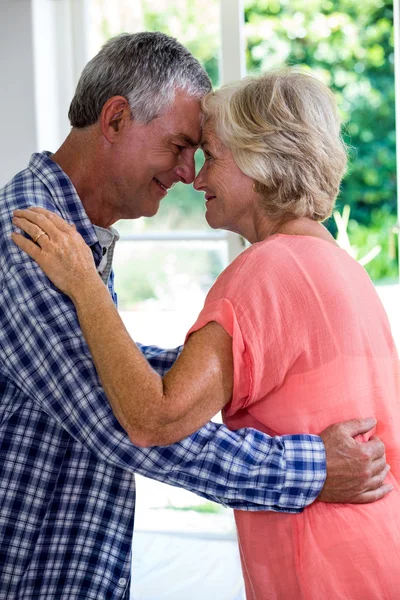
point(152, 410)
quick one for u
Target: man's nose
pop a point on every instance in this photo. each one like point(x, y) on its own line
point(186, 170)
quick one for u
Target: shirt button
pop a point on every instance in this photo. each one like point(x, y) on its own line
point(122, 581)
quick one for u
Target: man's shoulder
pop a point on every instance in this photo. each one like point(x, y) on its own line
point(23, 190)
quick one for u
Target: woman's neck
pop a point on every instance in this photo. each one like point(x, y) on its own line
point(303, 226)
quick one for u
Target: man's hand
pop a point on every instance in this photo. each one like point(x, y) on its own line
point(355, 470)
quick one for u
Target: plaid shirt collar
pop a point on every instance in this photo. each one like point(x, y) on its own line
point(65, 197)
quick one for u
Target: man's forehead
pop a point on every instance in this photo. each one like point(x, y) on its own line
point(183, 120)
point(188, 118)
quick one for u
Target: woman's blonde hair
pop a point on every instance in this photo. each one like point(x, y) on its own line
point(283, 129)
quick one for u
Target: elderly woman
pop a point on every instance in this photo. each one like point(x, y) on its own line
point(292, 335)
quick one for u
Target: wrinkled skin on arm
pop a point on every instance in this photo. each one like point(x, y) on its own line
point(160, 411)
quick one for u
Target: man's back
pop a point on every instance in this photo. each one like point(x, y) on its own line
point(61, 507)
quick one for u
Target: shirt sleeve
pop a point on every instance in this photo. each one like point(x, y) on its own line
point(160, 359)
point(46, 358)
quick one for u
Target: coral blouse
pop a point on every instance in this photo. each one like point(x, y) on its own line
point(312, 346)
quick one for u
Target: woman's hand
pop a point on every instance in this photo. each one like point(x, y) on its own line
point(59, 250)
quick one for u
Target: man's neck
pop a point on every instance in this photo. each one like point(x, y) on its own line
point(79, 158)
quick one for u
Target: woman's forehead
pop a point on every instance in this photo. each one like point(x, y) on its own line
point(209, 135)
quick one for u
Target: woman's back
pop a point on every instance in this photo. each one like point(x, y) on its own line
point(313, 346)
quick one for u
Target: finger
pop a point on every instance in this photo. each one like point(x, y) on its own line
point(378, 476)
point(54, 217)
point(37, 234)
point(385, 472)
point(358, 426)
point(374, 495)
point(378, 466)
point(375, 448)
point(39, 220)
point(376, 482)
point(27, 246)
point(374, 438)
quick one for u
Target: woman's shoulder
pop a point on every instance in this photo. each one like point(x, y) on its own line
point(269, 254)
point(254, 265)
point(264, 266)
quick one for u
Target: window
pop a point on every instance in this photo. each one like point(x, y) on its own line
point(350, 47)
point(165, 265)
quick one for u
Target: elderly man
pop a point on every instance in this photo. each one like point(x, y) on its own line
point(67, 488)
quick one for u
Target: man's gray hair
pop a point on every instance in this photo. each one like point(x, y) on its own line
point(146, 68)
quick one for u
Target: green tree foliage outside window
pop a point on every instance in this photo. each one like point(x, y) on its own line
point(348, 45)
point(196, 24)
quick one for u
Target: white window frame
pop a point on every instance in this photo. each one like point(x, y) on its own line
point(61, 50)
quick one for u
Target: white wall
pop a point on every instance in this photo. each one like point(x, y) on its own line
point(17, 97)
point(43, 49)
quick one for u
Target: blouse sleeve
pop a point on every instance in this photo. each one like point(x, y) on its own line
point(250, 302)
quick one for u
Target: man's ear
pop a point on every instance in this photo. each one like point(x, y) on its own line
point(113, 117)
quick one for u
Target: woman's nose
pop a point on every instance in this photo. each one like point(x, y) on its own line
point(198, 183)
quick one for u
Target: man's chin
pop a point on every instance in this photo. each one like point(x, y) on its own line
point(151, 211)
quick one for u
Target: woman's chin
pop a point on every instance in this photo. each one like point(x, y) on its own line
point(212, 221)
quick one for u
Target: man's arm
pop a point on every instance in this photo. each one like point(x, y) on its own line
point(355, 470)
point(244, 469)
point(346, 467)
point(44, 355)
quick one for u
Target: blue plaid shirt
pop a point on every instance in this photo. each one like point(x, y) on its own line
point(67, 493)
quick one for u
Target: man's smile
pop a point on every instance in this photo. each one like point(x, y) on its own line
point(162, 186)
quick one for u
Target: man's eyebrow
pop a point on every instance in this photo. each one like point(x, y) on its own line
point(189, 141)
